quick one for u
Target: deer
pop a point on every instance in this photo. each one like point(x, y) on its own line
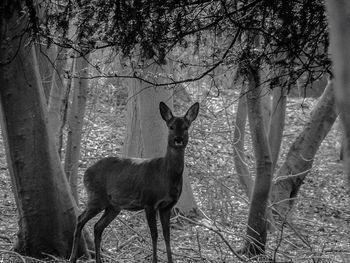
point(133, 184)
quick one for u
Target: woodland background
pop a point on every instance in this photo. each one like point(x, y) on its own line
point(319, 230)
point(107, 74)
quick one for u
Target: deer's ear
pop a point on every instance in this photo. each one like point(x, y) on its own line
point(192, 112)
point(165, 112)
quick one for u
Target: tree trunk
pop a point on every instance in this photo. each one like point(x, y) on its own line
point(339, 20)
point(257, 217)
point(302, 152)
point(279, 103)
point(266, 107)
point(47, 211)
point(146, 135)
point(45, 57)
point(58, 99)
point(186, 205)
point(75, 124)
point(153, 128)
point(133, 140)
point(238, 147)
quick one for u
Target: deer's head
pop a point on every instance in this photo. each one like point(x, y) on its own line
point(178, 126)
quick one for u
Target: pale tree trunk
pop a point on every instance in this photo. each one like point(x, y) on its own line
point(273, 110)
point(238, 146)
point(45, 57)
point(257, 217)
point(47, 211)
point(276, 127)
point(75, 123)
point(151, 128)
point(339, 20)
point(301, 155)
point(133, 139)
point(146, 135)
point(186, 205)
point(58, 99)
point(273, 117)
point(45, 54)
point(266, 106)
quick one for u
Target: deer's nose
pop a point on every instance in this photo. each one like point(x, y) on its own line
point(178, 141)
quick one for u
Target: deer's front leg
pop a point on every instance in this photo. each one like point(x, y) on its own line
point(152, 224)
point(164, 215)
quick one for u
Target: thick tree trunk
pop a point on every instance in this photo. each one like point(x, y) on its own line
point(266, 107)
point(302, 152)
point(273, 117)
point(133, 139)
point(279, 103)
point(47, 211)
point(238, 147)
point(146, 135)
point(45, 57)
point(257, 217)
point(339, 20)
point(58, 99)
point(75, 123)
point(186, 205)
point(153, 128)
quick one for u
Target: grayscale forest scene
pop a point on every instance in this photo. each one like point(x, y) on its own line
point(175, 131)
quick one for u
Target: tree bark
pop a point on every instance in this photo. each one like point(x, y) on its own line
point(257, 217)
point(45, 57)
point(279, 103)
point(133, 139)
point(238, 148)
point(339, 20)
point(58, 99)
point(75, 124)
point(302, 152)
point(146, 135)
point(266, 107)
point(47, 211)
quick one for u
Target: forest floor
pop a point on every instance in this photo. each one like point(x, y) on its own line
point(318, 230)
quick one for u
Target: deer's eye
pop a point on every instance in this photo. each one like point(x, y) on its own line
point(171, 127)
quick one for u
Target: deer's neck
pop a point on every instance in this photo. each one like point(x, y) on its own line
point(174, 161)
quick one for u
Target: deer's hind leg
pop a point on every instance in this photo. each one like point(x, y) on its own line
point(109, 214)
point(94, 206)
